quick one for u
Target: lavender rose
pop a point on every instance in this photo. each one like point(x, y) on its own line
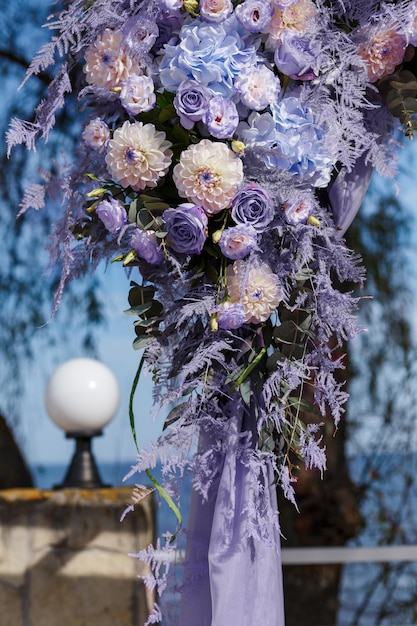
point(230, 315)
point(254, 15)
point(239, 241)
point(146, 245)
point(186, 227)
point(254, 206)
point(293, 57)
point(191, 102)
point(112, 214)
point(221, 118)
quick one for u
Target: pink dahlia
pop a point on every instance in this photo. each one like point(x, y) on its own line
point(208, 174)
point(382, 51)
point(107, 63)
point(138, 155)
point(256, 288)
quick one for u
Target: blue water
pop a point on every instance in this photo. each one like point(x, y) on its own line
point(372, 594)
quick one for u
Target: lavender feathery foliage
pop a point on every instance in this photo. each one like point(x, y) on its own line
point(221, 169)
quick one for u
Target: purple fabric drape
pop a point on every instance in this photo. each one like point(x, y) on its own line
point(347, 192)
point(231, 578)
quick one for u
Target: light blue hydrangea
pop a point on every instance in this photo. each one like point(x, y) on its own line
point(211, 54)
point(299, 147)
point(259, 130)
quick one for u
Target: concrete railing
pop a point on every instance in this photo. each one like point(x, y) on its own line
point(64, 558)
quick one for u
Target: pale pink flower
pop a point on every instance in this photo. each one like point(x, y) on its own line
point(215, 10)
point(137, 94)
point(107, 64)
point(138, 155)
point(96, 134)
point(298, 18)
point(208, 174)
point(382, 51)
point(256, 288)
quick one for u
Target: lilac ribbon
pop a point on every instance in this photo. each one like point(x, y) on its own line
point(347, 192)
point(231, 578)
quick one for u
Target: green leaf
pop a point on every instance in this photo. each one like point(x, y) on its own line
point(141, 342)
point(170, 502)
point(173, 415)
point(139, 295)
point(131, 398)
point(139, 310)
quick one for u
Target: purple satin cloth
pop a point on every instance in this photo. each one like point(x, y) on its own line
point(347, 192)
point(231, 579)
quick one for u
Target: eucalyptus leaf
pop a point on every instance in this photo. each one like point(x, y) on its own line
point(141, 342)
point(139, 295)
point(245, 389)
point(140, 309)
point(145, 323)
point(174, 415)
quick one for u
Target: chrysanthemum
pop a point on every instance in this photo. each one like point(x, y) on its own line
point(107, 64)
point(297, 19)
point(256, 288)
point(382, 52)
point(208, 174)
point(138, 155)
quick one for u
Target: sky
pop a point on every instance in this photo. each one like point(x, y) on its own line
point(42, 441)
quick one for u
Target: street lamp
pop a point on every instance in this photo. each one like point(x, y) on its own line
point(81, 397)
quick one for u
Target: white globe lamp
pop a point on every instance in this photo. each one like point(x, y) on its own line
point(81, 397)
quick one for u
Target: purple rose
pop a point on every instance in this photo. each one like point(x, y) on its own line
point(112, 214)
point(253, 205)
point(186, 228)
point(221, 118)
point(146, 245)
point(191, 102)
point(294, 58)
point(254, 15)
point(230, 315)
point(239, 241)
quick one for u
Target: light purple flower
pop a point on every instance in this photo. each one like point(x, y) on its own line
point(112, 214)
point(293, 57)
point(140, 34)
point(259, 129)
point(254, 206)
point(257, 86)
point(221, 118)
point(298, 211)
point(238, 241)
point(137, 94)
point(96, 134)
point(254, 15)
point(283, 4)
point(186, 228)
point(230, 315)
point(191, 102)
point(215, 10)
point(146, 244)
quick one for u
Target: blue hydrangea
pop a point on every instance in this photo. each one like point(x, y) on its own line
point(299, 147)
point(211, 54)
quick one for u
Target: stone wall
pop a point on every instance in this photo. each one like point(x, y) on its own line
point(64, 558)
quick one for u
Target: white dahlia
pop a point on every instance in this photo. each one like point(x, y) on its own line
point(256, 288)
point(138, 155)
point(208, 174)
point(107, 64)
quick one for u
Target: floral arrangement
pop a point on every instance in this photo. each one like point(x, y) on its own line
point(226, 147)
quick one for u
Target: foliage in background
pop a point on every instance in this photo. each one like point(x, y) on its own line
point(26, 287)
